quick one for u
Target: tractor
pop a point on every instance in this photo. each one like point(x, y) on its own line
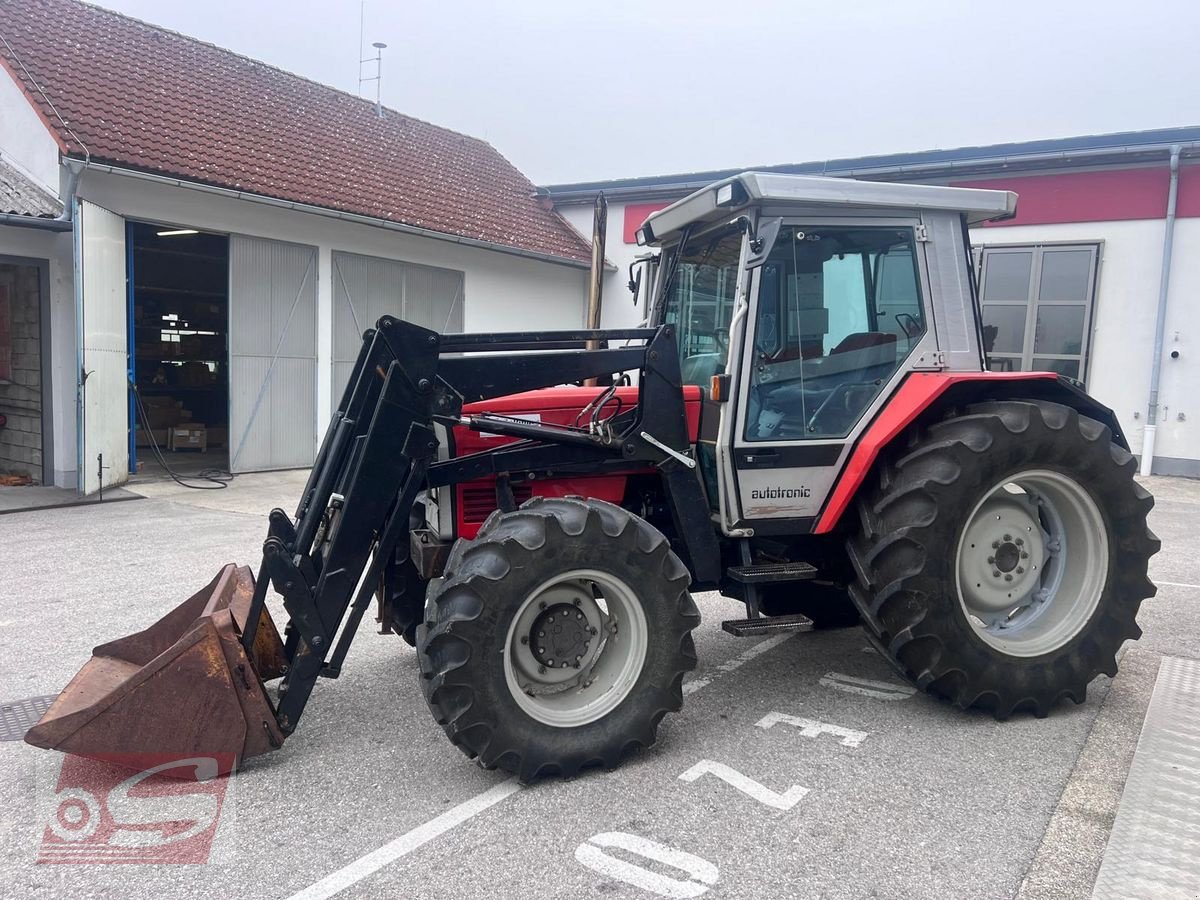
point(806, 422)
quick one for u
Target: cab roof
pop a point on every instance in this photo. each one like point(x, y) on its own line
point(740, 191)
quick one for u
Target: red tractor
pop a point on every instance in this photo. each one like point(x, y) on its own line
point(806, 423)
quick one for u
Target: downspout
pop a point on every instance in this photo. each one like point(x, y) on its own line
point(1164, 283)
point(64, 221)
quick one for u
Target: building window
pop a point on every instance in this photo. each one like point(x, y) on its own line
point(1037, 306)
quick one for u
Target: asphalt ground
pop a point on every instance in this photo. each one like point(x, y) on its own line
point(857, 788)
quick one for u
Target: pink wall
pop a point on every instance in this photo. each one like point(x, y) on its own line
point(1112, 195)
point(635, 215)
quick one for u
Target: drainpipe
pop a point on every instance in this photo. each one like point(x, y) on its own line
point(63, 221)
point(1160, 323)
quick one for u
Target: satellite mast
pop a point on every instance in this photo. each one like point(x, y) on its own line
point(377, 59)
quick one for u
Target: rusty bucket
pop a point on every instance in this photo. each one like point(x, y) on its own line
point(183, 686)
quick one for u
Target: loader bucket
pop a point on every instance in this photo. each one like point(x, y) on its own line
point(183, 686)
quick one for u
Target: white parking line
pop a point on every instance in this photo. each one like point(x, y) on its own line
point(407, 843)
point(731, 665)
point(393, 850)
point(1179, 584)
point(865, 687)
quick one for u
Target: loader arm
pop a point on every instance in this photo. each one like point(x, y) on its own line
point(378, 454)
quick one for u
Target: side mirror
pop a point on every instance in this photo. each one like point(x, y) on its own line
point(635, 282)
point(762, 241)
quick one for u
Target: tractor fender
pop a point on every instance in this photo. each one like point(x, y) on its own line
point(925, 395)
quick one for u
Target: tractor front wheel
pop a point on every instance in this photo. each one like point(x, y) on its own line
point(1002, 556)
point(558, 638)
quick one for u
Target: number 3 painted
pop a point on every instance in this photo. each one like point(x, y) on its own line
point(746, 785)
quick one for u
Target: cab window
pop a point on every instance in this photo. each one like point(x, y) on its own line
point(699, 302)
point(839, 310)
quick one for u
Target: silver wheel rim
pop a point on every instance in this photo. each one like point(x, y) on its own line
point(1032, 563)
point(575, 648)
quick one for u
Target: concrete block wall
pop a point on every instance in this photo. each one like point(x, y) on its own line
point(21, 393)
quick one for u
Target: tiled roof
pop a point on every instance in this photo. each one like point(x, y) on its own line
point(142, 97)
point(21, 196)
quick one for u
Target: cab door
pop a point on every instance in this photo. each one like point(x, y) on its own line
point(836, 317)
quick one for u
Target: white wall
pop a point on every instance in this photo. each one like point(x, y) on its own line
point(502, 292)
point(24, 138)
point(1122, 339)
point(617, 310)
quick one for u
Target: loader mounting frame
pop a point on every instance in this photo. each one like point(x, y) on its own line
point(380, 451)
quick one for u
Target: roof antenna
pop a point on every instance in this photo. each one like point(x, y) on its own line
point(377, 59)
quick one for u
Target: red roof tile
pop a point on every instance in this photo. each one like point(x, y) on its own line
point(143, 97)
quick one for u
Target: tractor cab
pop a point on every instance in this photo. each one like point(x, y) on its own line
point(800, 304)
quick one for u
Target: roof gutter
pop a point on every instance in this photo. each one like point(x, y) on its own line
point(64, 221)
point(328, 213)
point(659, 188)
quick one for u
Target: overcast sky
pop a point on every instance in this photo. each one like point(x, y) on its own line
point(575, 91)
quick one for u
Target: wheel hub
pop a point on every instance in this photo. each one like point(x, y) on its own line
point(1032, 562)
point(1002, 555)
point(560, 637)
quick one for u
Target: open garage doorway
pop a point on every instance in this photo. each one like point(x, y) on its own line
point(179, 338)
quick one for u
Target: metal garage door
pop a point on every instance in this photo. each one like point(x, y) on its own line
point(272, 354)
point(103, 416)
point(367, 287)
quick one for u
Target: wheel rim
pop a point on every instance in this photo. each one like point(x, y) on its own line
point(1032, 563)
point(575, 648)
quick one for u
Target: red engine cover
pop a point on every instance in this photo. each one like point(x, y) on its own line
point(476, 500)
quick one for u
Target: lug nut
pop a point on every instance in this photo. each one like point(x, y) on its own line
point(995, 545)
point(991, 560)
point(1020, 570)
point(995, 573)
point(1008, 537)
point(541, 634)
point(541, 649)
point(1024, 555)
point(1020, 542)
point(579, 615)
point(1008, 577)
point(524, 639)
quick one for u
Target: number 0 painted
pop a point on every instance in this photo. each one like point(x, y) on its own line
point(701, 873)
point(746, 785)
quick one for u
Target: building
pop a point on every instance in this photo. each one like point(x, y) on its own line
point(1071, 284)
point(220, 232)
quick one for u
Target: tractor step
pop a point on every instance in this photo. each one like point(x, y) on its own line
point(767, 625)
point(765, 574)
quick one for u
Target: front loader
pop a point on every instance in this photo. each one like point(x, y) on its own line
point(807, 423)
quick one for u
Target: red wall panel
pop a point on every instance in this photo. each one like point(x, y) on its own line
point(635, 215)
point(1112, 195)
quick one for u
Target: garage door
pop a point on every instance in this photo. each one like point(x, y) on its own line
point(103, 417)
point(272, 354)
point(367, 287)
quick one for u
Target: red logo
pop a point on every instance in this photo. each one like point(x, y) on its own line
point(102, 812)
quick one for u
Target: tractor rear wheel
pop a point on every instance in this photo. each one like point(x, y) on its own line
point(558, 638)
point(1002, 556)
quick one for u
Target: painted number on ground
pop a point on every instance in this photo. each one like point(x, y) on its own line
point(746, 785)
point(700, 873)
point(811, 728)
